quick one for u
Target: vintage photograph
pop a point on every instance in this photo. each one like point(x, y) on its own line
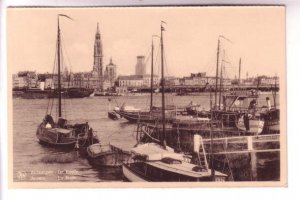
point(147, 94)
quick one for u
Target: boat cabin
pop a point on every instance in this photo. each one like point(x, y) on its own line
point(240, 101)
point(153, 163)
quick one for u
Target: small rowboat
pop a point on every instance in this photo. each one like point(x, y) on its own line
point(106, 155)
point(113, 115)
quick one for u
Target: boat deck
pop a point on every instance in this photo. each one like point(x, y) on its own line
point(183, 168)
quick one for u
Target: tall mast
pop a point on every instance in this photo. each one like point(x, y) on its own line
point(151, 100)
point(162, 84)
point(221, 81)
point(58, 63)
point(211, 142)
point(217, 72)
point(274, 96)
point(240, 65)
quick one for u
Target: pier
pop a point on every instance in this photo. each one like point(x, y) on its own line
point(205, 88)
point(245, 144)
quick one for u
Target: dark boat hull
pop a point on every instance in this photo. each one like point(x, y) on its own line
point(49, 138)
point(83, 143)
point(65, 146)
point(108, 159)
point(109, 156)
point(136, 174)
point(147, 117)
point(72, 93)
point(113, 115)
point(132, 175)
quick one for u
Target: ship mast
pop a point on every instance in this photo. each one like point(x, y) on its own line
point(221, 81)
point(274, 96)
point(211, 141)
point(217, 73)
point(163, 84)
point(58, 63)
point(151, 100)
point(152, 73)
point(240, 65)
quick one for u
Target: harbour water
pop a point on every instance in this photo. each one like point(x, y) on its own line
point(34, 162)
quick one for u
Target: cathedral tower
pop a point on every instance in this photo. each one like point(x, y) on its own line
point(98, 56)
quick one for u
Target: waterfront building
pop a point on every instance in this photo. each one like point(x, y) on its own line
point(172, 81)
point(248, 81)
point(140, 67)
point(121, 90)
point(107, 85)
point(25, 80)
point(199, 74)
point(264, 80)
point(211, 80)
point(198, 79)
point(147, 80)
point(19, 82)
point(111, 73)
point(133, 81)
point(49, 83)
point(137, 81)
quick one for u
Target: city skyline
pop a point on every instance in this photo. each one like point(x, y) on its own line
point(190, 47)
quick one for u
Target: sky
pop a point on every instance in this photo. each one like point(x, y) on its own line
point(256, 34)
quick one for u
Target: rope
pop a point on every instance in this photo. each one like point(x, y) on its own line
point(70, 102)
point(52, 99)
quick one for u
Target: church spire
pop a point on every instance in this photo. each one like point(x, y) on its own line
point(98, 55)
point(97, 35)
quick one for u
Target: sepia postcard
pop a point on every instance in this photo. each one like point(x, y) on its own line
point(182, 96)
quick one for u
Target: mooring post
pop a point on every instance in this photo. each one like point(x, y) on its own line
point(253, 158)
point(250, 143)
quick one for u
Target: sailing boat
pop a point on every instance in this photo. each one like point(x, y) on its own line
point(235, 109)
point(62, 134)
point(154, 113)
point(158, 162)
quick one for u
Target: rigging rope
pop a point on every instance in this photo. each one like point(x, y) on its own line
point(70, 101)
point(52, 82)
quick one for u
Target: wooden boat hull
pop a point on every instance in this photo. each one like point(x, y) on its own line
point(50, 140)
point(132, 176)
point(58, 145)
point(109, 156)
point(147, 117)
point(113, 115)
point(72, 93)
point(135, 117)
point(256, 126)
point(109, 159)
point(47, 138)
